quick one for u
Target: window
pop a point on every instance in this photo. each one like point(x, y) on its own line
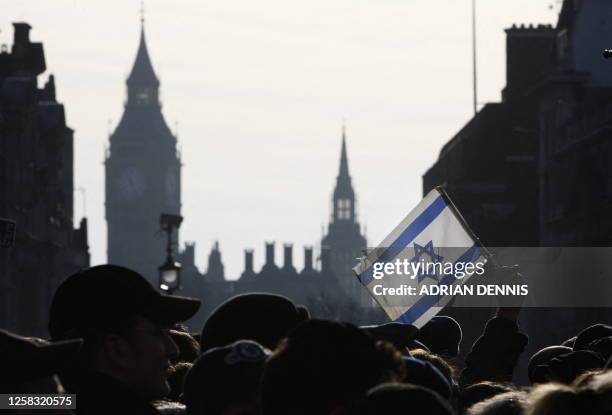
point(344, 209)
point(143, 97)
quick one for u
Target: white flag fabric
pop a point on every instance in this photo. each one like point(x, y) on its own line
point(433, 232)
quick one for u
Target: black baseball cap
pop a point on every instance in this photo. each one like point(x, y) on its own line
point(23, 359)
point(105, 297)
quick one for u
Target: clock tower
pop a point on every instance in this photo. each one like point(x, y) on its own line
point(143, 174)
point(344, 239)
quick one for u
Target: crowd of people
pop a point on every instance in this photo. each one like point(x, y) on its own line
point(120, 346)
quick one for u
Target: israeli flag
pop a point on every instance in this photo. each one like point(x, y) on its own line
point(434, 232)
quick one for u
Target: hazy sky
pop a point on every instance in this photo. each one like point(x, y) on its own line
point(259, 90)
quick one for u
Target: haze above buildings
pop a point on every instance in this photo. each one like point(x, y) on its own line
point(260, 92)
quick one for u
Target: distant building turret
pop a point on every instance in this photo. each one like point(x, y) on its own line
point(215, 270)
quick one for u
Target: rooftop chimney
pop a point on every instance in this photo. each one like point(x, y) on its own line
point(248, 260)
point(529, 53)
point(22, 36)
point(308, 258)
point(269, 253)
point(288, 257)
point(28, 57)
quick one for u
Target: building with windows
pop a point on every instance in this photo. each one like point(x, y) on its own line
point(36, 189)
point(532, 170)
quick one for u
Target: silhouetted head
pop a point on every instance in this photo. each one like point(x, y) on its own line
point(263, 318)
point(226, 380)
point(402, 336)
point(557, 399)
point(479, 392)
point(543, 356)
point(590, 334)
point(442, 336)
point(442, 365)
point(566, 368)
point(401, 398)
point(29, 365)
point(423, 373)
point(125, 325)
point(508, 403)
point(324, 366)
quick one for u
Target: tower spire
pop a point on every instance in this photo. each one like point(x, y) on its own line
point(142, 72)
point(142, 83)
point(344, 171)
point(142, 14)
point(344, 196)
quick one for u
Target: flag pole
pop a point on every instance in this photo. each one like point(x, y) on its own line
point(474, 66)
point(465, 225)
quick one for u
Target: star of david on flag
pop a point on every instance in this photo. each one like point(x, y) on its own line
point(427, 250)
point(432, 234)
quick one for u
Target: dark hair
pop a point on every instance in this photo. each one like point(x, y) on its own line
point(584, 379)
point(508, 403)
point(421, 373)
point(481, 391)
point(556, 399)
point(323, 365)
point(189, 348)
point(176, 379)
point(387, 398)
point(441, 364)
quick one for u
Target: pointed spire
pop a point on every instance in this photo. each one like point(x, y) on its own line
point(343, 181)
point(142, 72)
point(344, 171)
point(142, 13)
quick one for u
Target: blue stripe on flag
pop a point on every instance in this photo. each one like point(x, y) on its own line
point(426, 302)
point(407, 236)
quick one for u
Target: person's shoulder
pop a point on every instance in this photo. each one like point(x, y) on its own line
point(98, 394)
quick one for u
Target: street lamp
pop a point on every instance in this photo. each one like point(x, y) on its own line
point(170, 270)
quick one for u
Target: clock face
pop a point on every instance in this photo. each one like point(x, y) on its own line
point(132, 183)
